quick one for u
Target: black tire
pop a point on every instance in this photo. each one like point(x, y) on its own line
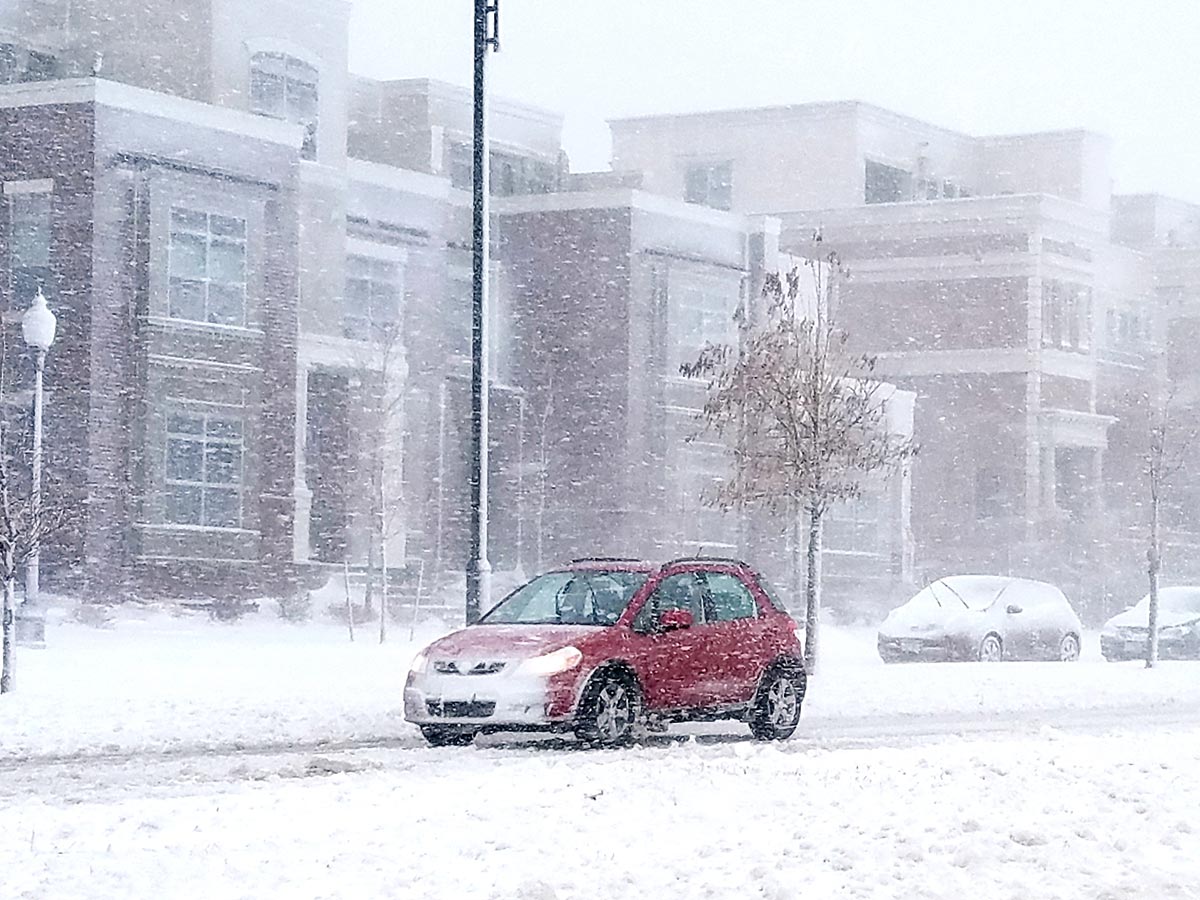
point(776, 710)
point(609, 710)
point(1069, 648)
point(991, 648)
point(440, 736)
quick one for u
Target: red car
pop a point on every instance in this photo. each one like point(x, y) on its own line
point(603, 645)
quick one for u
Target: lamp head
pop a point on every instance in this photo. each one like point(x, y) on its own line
point(39, 324)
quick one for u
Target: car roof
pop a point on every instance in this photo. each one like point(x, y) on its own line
point(630, 564)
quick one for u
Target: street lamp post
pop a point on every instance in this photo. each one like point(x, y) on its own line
point(479, 570)
point(38, 326)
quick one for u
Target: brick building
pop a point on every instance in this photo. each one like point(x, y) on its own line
point(998, 279)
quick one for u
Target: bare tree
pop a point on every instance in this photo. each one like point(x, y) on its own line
point(383, 411)
point(804, 417)
point(543, 471)
point(1168, 451)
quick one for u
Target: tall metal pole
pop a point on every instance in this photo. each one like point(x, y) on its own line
point(33, 564)
point(479, 570)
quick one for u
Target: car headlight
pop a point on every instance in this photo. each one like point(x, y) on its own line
point(552, 663)
point(419, 666)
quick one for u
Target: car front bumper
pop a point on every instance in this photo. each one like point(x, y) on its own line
point(501, 702)
point(1118, 647)
point(927, 649)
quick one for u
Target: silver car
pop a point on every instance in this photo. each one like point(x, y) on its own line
point(985, 617)
point(1124, 635)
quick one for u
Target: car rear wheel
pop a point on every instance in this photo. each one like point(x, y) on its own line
point(439, 736)
point(609, 711)
point(990, 649)
point(1068, 650)
point(776, 711)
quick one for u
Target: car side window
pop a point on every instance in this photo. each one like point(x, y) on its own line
point(680, 591)
point(729, 598)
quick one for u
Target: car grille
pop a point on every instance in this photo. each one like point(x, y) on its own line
point(460, 709)
point(452, 667)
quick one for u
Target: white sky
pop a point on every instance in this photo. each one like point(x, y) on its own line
point(1128, 69)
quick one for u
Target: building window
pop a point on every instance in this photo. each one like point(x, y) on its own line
point(854, 525)
point(29, 245)
point(207, 268)
point(709, 184)
point(204, 470)
point(700, 312)
point(1066, 315)
point(283, 87)
point(373, 292)
point(886, 184)
point(518, 175)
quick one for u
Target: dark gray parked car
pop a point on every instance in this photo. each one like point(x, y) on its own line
point(984, 617)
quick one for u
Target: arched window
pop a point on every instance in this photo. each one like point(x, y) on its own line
point(284, 87)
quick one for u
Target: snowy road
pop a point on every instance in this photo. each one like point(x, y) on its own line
point(1054, 815)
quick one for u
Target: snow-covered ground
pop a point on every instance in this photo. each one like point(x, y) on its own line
point(1054, 816)
point(163, 683)
point(120, 777)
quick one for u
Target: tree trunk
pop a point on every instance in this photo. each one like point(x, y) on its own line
point(812, 589)
point(1154, 558)
point(369, 586)
point(349, 605)
point(9, 611)
point(383, 566)
point(797, 545)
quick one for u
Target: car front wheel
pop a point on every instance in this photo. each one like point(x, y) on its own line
point(990, 649)
point(609, 712)
point(1068, 650)
point(776, 710)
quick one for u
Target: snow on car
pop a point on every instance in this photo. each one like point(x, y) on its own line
point(984, 617)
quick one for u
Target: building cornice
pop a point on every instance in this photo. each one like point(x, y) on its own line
point(625, 198)
point(111, 94)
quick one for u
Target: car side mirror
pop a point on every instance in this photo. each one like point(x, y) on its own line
point(675, 619)
point(1013, 609)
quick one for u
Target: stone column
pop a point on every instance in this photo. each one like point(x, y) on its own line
point(300, 540)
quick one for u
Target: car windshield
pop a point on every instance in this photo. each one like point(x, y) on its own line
point(1184, 600)
point(568, 598)
point(972, 593)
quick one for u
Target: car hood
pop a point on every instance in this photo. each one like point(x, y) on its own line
point(908, 622)
point(1140, 618)
point(508, 641)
